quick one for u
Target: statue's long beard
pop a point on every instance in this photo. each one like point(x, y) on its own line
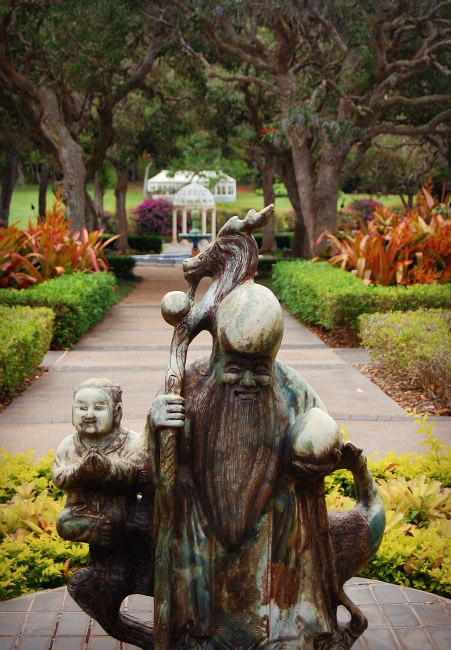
point(237, 450)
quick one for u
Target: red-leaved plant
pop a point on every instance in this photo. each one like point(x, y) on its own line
point(48, 249)
point(394, 248)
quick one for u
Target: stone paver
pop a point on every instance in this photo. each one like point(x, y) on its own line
point(399, 619)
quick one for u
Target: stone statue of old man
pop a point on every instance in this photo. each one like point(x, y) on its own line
point(244, 554)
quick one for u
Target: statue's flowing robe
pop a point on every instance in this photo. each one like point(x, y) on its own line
point(280, 584)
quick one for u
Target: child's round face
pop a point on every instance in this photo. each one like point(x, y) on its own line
point(92, 412)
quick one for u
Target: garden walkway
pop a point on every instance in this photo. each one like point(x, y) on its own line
point(131, 346)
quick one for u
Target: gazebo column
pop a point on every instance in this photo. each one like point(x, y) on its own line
point(174, 225)
point(204, 219)
point(184, 221)
point(213, 224)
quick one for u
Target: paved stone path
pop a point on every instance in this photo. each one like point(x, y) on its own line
point(399, 619)
point(131, 346)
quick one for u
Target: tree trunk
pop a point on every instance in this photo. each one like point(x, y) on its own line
point(120, 192)
point(269, 231)
point(305, 186)
point(92, 222)
point(99, 193)
point(43, 184)
point(70, 156)
point(9, 180)
point(285, 169)
point(317, 196)
point(327, 187)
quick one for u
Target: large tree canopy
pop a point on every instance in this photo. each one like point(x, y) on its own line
point(336, 74)
point(294, 85)
point(73, 62)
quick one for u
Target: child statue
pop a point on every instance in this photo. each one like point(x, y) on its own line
point(105, 469)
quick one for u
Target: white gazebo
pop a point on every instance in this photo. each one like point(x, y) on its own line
point(165, 184)
point(193, 196)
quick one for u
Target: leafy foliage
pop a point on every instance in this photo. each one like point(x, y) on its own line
point(146, 243)
point(25, 336)
point(332, 298)
point(413, 347)
point(394, 248)
point(37, 563)
point(56, 250)
point(79, 300)
point(32, 555)
point(16, 269)
point(121, 265)
point(16, 469)
point(48, 249)
point(154, 217)
point(365, 208)
point(416, 492)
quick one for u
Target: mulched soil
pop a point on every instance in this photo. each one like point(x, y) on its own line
point(407, 397)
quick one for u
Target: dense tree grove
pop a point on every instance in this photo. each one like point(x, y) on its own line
point(73, 63)
point(335, 75)
point(302, 88)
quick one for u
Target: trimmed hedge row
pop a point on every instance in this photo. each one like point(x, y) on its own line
point(331, 298)
point(146, 243)
point(25, 336)
point(140, 243)
point(121, 265)
point(79, 301)
point(283, 240)
point(265, 266)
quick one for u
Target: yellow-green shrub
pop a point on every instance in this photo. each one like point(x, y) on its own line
point(416, 492)
point(25, 336)
point(32, 555)
point(413, 347)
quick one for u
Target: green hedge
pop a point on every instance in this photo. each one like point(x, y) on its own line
point(140, 243)
point(265, 266)
point(25, 336)
point(283, 240)
point(146, 243)
point(331, 298)
point(79, 300)
point(121, 265)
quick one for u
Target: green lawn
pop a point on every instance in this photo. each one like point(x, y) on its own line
point(25, 197)
point(389, 200)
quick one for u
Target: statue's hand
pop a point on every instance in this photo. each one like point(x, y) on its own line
point(316, 444)
point(317, 470)
point(94, 464)
point(168, 411)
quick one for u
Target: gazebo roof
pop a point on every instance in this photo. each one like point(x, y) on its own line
point(166, 184)
point(184, 176)
point(193, 195)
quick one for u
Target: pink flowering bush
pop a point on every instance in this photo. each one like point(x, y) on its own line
point(153, 217)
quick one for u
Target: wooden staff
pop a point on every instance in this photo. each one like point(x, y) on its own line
point(175, 309)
